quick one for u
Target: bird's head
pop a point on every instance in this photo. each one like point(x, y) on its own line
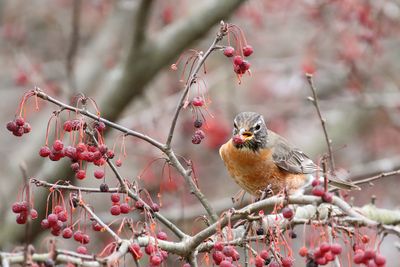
point(249, 131)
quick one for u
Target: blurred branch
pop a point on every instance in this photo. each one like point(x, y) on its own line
point(141, 21)
point(376, 177)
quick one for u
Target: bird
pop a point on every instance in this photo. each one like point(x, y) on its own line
point(257, 158)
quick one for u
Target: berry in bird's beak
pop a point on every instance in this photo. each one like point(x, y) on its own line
point(237, 140)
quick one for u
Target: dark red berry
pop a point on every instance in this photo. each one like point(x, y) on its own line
point(67, 233)
point(196, 139)
point(197, 123)
point(115, 197)
point(85, 239)
point(19, 131)
point(104, 187)
point(125, 208)
point(21, 218)
point(327, 197)
point(315, 182)
point(68, 126)
point(19, 121)
point(12, 126)
point(110, 154)
point(100, 126)
point(16, 207)
point(78, 236)
point(218, 246)
point(287, 213)
point(237, 60)
point(103, 149)
point(115, 210)
point(244, 66)
point(380, 260)
point(96, 226)
point(229, 51)
point(218, 257)
point(55, 232)
point(247, 50)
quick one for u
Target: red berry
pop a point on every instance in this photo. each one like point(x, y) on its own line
point(228, 251)
point(57, 209)
point(12, 126)
point(218, 256)
point(21, 218)
point(103, 149)
point(196, 139)
point(85, 239)
point(70, 152)
point(44, 151)
point(264, 254)
point(155, 207)
point(34, 214)
point(96, 226)
point(78, 236)
point(27, 127)
point(318, 191)
point(135, 251)
point(118, 163)
point(16, 207)
point(19, 121)
point(98, 174)
point(75, 167)
point(244, 66)
point(67, 233)
point(287, 262)
point(115, 210)
point(380, 260)
point(100, 126)
point(237, 60)
point(237, 140)
point(369, 254)
point(247, 50)
point(336, 248)
point(225, 263)
point(303, 251)
point(63, 216)
point(162, 235)
point(327, 197)
point(329, 256)
point(218, 246)
point(358, 258)
point(315, 182)
point(125, 208)
point(115, 197)
point(58, 145)
point(81, 147)
point(155, 260)
point(58, 225)
point(287, 213)
point(68, 126)
point(110, 154)
point(149, 249)
point(45, 224)
point(258, 261)
point(365, 239)
point(236, 255)
point(229, 51)
point(317, 253)
point(52, 219)
point(81, 174)
point(55, 232)
point(81, 250)
point(139, 204)
point(324, 247)
point(197, 101)
point(321, 261)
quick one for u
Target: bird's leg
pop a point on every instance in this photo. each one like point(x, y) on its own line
point(265, 193)
point(238, 196)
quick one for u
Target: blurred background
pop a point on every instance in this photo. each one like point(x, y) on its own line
point(120, 52)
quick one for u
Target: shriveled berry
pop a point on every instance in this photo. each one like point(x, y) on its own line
point(200, 133)
point(75, 167)
point(67, 233)
point(196, 139)
point(247, 50)
point(44, 151)
point(303, 251)
point(197, 101)
point(12, 126)
point(229, 51)
point(115, 197)
point(336, 248)
point(327, 197)
point(228, 251)
point(198, 123)
point(19, 121)
point(125, 208)
point(58, 145)
point(103, 149)
point(98, 174)
point(34, 214)
point(237, 60)
point(115, 210)
point(81, 174)
point(155, 207)
point(318, 191)
point(27, 128)
point(162, 235)
point(82, 250)
point(287, 213)
point(104, 187)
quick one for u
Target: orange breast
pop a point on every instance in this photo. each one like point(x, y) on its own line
point(254, 171)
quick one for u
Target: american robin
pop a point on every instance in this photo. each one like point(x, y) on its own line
point(257, 157)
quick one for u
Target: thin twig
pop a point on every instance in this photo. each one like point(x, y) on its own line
point(376, 177)
point(28, 224)
point(314, 100)
point(40, 183)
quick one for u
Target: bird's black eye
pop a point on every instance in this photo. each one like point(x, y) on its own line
point(258, 127)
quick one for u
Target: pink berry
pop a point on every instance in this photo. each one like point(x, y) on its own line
point(324, 247)
point(67, 233)
point(78, 236)
point(321, 261)
point(318, 191)
point(98, 174)
point(21, 218)
point(115, 210)
point(229, 51)
point(45, 224)
point(264, 254)
point(329, 256)
point(155, 207)
point(58, 145)
point(315, 182)
point(27, 128)
point(237, 140)
point(287, 213)
point(247, 50)
point(155, 260)
point(336, 248)
point(258, 261)
point(115, 197)
point(218, 246)
point(380, 260)
point(118, 163)
point(81, 174)
point(162, 235)
point(225, 263)
point(149, 249)
point(44, 151)
point(287, 262)
point(34, 214)
point(369, 254)
point(125, 208)
point(52, 219)
point(218, 256)
point(81, 250)
point(197, 101)
point(358, 258)
point(303, 251)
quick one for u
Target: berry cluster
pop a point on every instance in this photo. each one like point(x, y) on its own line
point(224, 256)
point(22, 209)
point(18, 126)
point(56, 220)
point(199, 135)
point(323, 254)
point(319, 191)
point(156, 255)
point(368, 257)
point(117, 208)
